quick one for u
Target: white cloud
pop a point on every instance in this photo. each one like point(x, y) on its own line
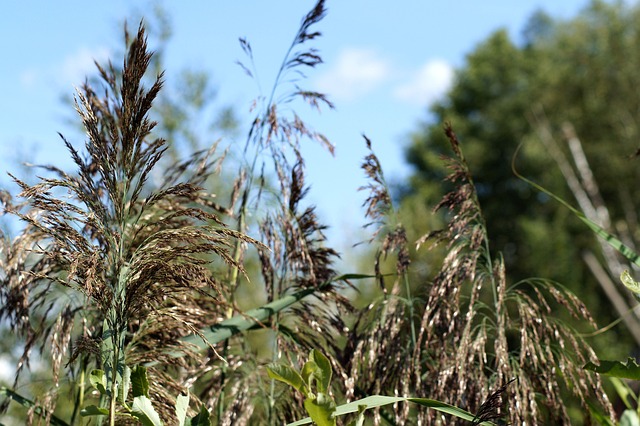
point(75, 67)
point(428, 84)
point(29, 77)
point(6, 369)
point(72, 70)
point(356, 73)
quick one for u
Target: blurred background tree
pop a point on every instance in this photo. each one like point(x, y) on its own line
point(573, 80)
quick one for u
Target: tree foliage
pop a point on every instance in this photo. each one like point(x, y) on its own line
point(560, 79)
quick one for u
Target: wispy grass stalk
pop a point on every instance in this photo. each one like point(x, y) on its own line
point(131, 250)
point(496, 331)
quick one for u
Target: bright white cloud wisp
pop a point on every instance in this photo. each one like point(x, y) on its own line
point(71, 71)
point(77, 66)
point(356, 73)
point(428, 84)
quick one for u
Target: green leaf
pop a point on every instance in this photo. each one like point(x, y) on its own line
point(359, 421)
point(182, 405)
point(93, 410)
point(629, 282)
point(201, 419)
point(113, 368)
point(143, 410)
point(310, 371)
point(380, 400)
point(630, 370)
point(597, 229)
point(445, 408)
point(345, 277)
point(625, 393)
point(123, 391)
point(106, 345)
point(241, 322)
point(600, 417)
point(629, 418)
point(288, 375)
point(321, 409)
point(98, 380)
point(139, 382)
point(324, 369)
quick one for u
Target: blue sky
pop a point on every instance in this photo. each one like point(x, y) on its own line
point(385, 62)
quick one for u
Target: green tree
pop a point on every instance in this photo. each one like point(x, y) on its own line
point(565, 80)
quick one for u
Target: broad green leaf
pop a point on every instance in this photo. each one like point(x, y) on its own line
point(288, 375)
point(630, 370)
point(123, 391)
point(310, 371)
point(629, 418)
point(201, 419)
point(139, 382)
point(98, 380)
point(182, 405)
point(27, 403)
point(629, 282)
point(380, 400)
point(93, 410)
point(321, 410)
point(143, 410)
point(324, 367)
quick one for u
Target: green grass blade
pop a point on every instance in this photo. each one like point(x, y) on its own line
point(370, 401)
point(225, 329)
point(239, 323)
point(597, 229)
point(380, 400)
point(446, 408)
point(27, 403)
point(93, 410)
point(123, 391)
point(629, 418)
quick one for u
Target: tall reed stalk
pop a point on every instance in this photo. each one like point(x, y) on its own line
point(131, 254)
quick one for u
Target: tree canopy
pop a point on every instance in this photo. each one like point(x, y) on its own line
point(561, 80)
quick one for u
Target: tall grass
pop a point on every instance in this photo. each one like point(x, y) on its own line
point(122, 263)
point(475, 333)
point(133, 255)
